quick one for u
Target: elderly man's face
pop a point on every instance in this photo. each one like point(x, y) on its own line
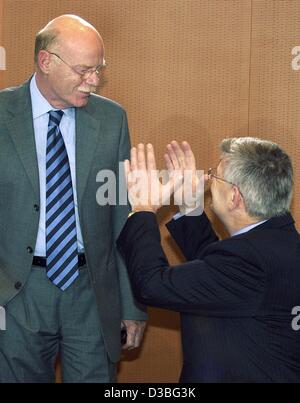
point(219, 192)
point(67, 88)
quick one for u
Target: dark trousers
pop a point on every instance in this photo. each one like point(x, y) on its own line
point(42, 321)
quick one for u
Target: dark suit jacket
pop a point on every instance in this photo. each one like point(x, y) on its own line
point(102, 141)
point(235, 296)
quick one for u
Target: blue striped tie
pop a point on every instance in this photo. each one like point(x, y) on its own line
point(61, 236)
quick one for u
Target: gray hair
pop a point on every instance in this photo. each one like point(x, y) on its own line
point(263, 173)
point(43, 40)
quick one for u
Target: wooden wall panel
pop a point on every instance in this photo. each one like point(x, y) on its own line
point(274, 111)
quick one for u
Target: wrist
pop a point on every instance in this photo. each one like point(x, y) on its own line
point(186, 210)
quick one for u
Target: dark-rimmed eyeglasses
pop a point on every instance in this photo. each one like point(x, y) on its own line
point(82, 71)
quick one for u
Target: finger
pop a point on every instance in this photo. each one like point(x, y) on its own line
point(189, 156)
point(133, 159)
point(141, 160)
point(130, 175)
point(151, 163)
point(179, 154)
point(174, 183)
point(139, 332)
point(173, 157)
point(168, 163)
point(127, 170)
point(138, 339)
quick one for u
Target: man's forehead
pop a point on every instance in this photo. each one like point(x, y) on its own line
point(82, 56)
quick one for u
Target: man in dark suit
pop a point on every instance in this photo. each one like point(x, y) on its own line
point(62, 283)
point(236, 295)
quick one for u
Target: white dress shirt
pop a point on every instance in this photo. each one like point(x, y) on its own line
point(40, 109)
point(248, 228)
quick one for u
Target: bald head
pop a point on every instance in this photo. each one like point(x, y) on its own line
point(66, 30)
point(69, 21)
point(69, 55)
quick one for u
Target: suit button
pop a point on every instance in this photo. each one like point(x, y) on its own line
point(36, 207)
point(18, 285)
point(29, 249)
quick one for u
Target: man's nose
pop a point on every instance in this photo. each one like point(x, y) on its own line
point(93, 78)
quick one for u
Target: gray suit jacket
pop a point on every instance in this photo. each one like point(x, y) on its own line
point(102, 141)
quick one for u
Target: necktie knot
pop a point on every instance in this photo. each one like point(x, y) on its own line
point(55, 117)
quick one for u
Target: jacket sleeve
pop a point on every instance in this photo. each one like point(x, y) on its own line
point(192, 234)
point(131, 308)
point(222, 283)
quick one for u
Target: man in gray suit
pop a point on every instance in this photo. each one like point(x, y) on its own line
point(62, 282)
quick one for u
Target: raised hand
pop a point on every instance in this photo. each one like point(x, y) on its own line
point(145, 190)
point(181, 159)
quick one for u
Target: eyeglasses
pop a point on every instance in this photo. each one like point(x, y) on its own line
point(212, 174)
point(81, 71)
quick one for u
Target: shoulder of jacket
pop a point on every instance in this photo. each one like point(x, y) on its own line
point(99, 100)
point(10, 91)
point(11, 94)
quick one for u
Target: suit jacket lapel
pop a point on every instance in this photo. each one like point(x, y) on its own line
point(87, 136)
point(20, 126)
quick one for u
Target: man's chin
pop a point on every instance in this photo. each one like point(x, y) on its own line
point(81, 100)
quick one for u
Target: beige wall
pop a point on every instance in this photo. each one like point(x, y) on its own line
point(198, 70)
point(274, 97)
point(1, 40)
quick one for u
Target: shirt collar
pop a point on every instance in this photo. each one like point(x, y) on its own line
point(248, 228)
point(40, 105)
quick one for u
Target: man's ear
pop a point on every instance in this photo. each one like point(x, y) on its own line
point(235, 198)
point(44, 61)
